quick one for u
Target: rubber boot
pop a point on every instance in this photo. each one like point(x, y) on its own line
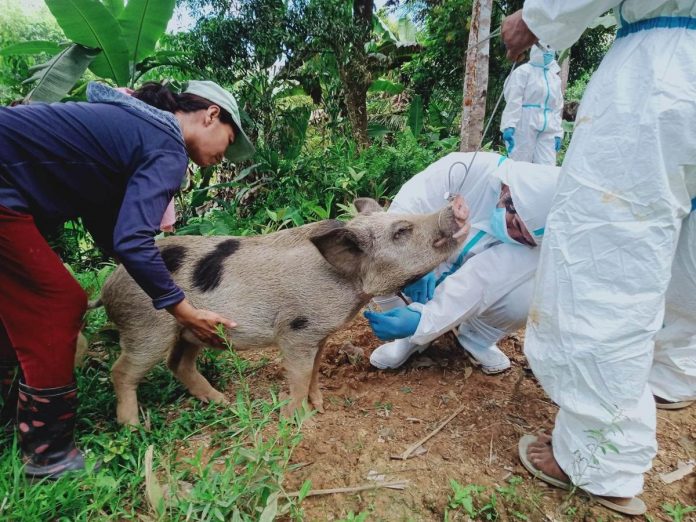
point(9, 382)
point(46, 423)
point(393, 354)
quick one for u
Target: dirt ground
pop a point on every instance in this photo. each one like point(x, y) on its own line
point(372, 415)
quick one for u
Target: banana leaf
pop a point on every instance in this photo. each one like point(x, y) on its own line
point(91, 24)
point(57, 76)
point(143, 22)
point(29, 48)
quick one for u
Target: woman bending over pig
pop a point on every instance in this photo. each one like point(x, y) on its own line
point(115, 162)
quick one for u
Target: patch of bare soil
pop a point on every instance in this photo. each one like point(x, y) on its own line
point(372, 415)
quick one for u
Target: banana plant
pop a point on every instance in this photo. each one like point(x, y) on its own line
point(116, 41)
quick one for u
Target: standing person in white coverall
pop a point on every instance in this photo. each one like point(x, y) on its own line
point(531, 121)
point(485, 289)
point(625, 188)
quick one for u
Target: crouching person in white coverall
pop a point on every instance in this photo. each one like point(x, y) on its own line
point(616, 223)
point(531, 121)
point(485, 289)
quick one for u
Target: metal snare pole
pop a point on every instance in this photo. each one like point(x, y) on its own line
point(449, 195)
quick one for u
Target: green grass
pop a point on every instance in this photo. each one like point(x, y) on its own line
point(220, 463)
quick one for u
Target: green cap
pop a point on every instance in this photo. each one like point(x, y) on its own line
point(242, 148)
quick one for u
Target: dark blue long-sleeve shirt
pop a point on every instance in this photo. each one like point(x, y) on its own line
point(112, 166)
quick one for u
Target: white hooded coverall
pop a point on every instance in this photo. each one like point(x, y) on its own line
point(626, 186)
point(534, 108)
point(489, 289)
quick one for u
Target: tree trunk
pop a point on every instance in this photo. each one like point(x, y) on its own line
point(356, 105)
point(476, 77)
point(362, 12)
point(355, 73)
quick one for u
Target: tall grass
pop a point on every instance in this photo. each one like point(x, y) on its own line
point(213, 462)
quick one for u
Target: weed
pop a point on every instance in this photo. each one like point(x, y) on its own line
point(476, 502)
point(599, 444)
point(218, 463)
point(384, 408)
point(677, 511)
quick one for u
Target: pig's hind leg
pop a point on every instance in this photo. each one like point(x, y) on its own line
point(182, 363)
point(138, 356)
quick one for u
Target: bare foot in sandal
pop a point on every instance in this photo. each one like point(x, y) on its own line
point(540, 454)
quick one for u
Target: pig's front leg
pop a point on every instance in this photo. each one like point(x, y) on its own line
point(299, 365)
point(315, 396)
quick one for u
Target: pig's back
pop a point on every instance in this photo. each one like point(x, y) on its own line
point(263, 283)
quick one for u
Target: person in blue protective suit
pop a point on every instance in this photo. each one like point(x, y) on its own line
point(115, 161)
point(531, 121)
point(484, 290)
point(617, 263)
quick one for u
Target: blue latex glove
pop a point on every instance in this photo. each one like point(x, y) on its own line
point(559, 141)
point(421, 290)
point(397, 323)
point(509, 139)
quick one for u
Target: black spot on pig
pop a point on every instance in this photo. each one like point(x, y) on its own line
point(208, 271)
point(173, 256)
point(299, 323)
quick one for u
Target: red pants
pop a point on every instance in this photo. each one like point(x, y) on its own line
point(41, 304)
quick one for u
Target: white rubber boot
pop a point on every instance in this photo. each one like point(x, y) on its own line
point(490, 359)
point(393, 354)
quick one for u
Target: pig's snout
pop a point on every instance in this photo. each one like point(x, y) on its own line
point(453, 223)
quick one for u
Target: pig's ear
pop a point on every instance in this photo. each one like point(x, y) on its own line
point(367, 206)
point(341, 248)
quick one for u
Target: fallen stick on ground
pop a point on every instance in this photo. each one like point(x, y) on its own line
point(398, 484)
point(153, 491)
point(413, 447)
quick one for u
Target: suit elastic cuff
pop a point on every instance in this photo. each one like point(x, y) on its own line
point(172, 298)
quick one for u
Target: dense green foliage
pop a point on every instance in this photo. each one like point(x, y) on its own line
point(16, 26)
point(296, 70)
point(217, 463)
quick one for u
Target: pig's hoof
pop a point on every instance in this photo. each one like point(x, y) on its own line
point(295, 407)
point(213, 396)
point(219, 398)
point(318, 405)
point(288, 411)
point(130, 421)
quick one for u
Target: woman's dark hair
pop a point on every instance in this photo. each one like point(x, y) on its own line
point(159, 95)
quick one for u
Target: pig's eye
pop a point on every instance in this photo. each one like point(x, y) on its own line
point(402, 232)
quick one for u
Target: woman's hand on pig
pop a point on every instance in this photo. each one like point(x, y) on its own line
point(204, 324)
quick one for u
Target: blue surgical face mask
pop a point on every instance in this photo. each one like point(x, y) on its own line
point(548, 58)
point(499, 226)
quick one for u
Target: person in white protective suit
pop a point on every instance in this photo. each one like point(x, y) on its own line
point(673, 376)
point(531, 121)
point(616, 223)
point(485, 289)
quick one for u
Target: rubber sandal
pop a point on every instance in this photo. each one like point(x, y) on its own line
point(666, 405)
point(635, 507)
